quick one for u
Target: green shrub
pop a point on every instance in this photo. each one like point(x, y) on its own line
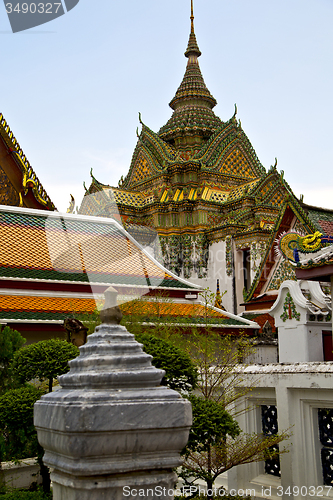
point(17, 432)
point(10, 342)
point(180, 371)
point(26, 495)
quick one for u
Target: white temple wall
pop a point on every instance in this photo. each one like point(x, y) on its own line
point(217, 269)
point(300, 339)
point(225, 262)
point(298, 391)
point(239, 279)
point(301, 344)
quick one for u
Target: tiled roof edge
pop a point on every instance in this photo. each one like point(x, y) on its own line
point(98, 220)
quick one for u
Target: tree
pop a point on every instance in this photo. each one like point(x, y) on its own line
point(180, 372)
point(10, 342)
point(211, 426)
point(212, 450)
point(45, 360)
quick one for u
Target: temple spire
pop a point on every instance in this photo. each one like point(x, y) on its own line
point(193, 120)
point(193, 87)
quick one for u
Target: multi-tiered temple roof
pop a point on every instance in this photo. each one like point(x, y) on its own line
point(198, 182)
point(195, 181)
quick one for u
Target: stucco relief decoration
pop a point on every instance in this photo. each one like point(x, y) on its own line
point(257, 254)
point(185, 253)
point(299, 228)
point(289, 309)
point(187, 247)
point(8, 195)
point(228, 255)
point(284, 272)
point(164, 250)
point(201, 255)
point(174, 254)
point(293, 246)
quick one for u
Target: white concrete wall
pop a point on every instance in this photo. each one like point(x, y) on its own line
point(298, 390)
point(263, 353)
point(21, 475)
point(303, 343)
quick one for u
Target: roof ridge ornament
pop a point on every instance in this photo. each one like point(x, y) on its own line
point(235, 113)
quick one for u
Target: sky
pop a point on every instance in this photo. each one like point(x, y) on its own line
point(71, 89)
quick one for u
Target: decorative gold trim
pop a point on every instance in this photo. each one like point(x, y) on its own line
point(29, 176)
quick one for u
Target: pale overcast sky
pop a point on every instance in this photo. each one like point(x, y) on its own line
point(71, 89)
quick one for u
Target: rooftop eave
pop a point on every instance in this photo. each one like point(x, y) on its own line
point(190, 98)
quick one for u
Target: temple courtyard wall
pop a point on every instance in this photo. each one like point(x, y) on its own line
point(298, 397)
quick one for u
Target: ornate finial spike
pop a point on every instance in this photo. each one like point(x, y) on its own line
point(91, 172)
point(192, 18)
point(275, 165)
point(218, 298)
point(235, 113)
point(71, 207)
point(111, 313)
point(140, 118)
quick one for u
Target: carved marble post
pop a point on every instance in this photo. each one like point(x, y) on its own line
point(112, 429)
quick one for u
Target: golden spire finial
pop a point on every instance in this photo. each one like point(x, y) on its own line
point(192, 18)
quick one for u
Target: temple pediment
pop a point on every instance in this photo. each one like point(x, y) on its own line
point(20, 184)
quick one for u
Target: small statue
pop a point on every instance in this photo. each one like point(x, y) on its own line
point(76, 331)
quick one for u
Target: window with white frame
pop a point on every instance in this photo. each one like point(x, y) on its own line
point(325, 424)
point(269, 421)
